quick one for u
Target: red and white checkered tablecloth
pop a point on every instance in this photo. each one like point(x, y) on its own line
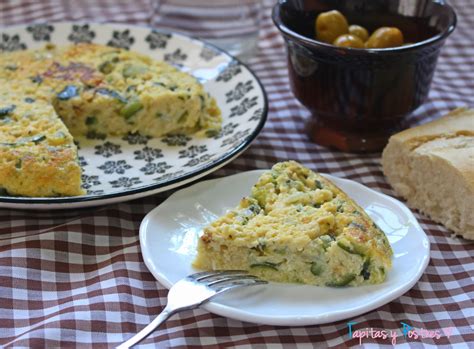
point(77, 278)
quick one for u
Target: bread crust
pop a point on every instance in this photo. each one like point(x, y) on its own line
point(432, 167)
point(458, 121)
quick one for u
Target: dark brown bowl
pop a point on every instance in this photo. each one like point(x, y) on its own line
point(359, 97)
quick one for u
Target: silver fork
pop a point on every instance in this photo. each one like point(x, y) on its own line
point(193, 291)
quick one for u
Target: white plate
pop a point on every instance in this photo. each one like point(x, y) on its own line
point(117, 169)
point(169, 234)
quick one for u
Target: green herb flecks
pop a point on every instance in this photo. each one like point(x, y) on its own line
point(111, 94)
point(106, 67)
point(68, 92)
point(131, 70)
point(183, 117)
point(37, 79)
point(5, 120)
point(340, 208)
point(344, 281)
point(316, 268)
point(131, 108)
point(33, 139)
point(365, 273)
point(326, 240)
point(203, 102)
point(348, 247)
point(267, 265)
point(261, 245)
point(4, 111)
point(37, 139)
point(212, 133)
point(91, 120)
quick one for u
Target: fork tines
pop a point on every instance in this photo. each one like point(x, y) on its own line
point(215, 273)
point(220, 280)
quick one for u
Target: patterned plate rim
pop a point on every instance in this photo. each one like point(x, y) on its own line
point(172, 183)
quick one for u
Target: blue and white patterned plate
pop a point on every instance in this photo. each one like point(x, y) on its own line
point(117, 169)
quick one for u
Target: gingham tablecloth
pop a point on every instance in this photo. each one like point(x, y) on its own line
point(77, 278)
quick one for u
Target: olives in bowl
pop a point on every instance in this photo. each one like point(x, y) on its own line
point(359, 96)
point(349, 40)
point(332, 27)
point(359, 31)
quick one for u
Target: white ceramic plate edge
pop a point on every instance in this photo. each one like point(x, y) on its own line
point(238, 314)
point(118, 199)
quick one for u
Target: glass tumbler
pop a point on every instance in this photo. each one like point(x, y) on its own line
point(232, 25)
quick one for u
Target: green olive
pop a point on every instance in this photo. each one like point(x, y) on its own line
point(349, 40)
point(359, 31)
point(330, 25)
point(385, 37)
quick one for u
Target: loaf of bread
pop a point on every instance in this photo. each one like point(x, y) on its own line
point(432, 167)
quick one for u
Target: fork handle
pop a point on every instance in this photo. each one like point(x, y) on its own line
point(145, 332)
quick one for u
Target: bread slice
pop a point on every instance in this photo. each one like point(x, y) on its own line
point(297, 226)
point(432, 167)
